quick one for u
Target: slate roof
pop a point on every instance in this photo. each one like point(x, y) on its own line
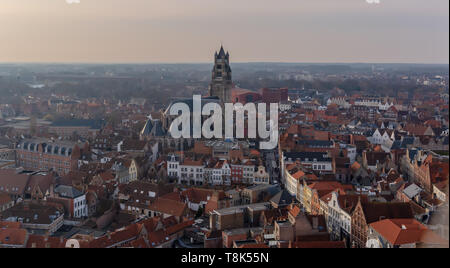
point(412, 191)
point(67, 191)
point(316, 143)
point(320, 157)
point(93, 124)
point(282, 198)
point(153, 128)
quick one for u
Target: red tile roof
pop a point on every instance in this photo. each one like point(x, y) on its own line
point(6, 224)
point(40, 241)
point(4, 199)
point(13, 236)
point(252, 245)
point(318, 244)
point(294, 211)
point(168, 206)
point(404, 231)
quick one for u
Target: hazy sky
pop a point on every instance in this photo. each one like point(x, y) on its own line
point(252, 30)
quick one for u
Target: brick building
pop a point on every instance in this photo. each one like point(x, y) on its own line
point(61, 156)
point(370, 212)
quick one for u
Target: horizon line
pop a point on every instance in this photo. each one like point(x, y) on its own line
point(205, 62)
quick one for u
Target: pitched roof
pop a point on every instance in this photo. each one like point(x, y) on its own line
point(116, 238)
point(68, 191)
point(13, 236)
point(43, 182)
point(41, 241)
point(376, 157)
point(12, 182)
point(404, 231)
point(253, 245)
point(282, 198)
point(4, 199)
point(318, 244)
point(34, 213)
point(294, 211)
point(197, 195)
point(374, 211)
point(168, 206)
point(7, 224)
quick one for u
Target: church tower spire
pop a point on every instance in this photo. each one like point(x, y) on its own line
point(221, 82)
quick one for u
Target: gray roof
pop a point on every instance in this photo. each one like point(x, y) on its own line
point(147, 128)
point(407, 141)
point(316, 143)
point(396, 145)
point(153, 128)
point(282, 198)
point(67, 191)
point(221, 52)
point(302, 156)
point(412, 191)
point(93, 124)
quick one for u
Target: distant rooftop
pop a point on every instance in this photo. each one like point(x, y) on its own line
point(93, 124)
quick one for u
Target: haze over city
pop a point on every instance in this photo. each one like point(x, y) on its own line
point(172, 31)
point(219, 125)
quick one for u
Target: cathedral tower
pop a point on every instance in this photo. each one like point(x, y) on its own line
point(221, 83)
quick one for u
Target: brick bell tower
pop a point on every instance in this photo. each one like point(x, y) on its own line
point(221, 83)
